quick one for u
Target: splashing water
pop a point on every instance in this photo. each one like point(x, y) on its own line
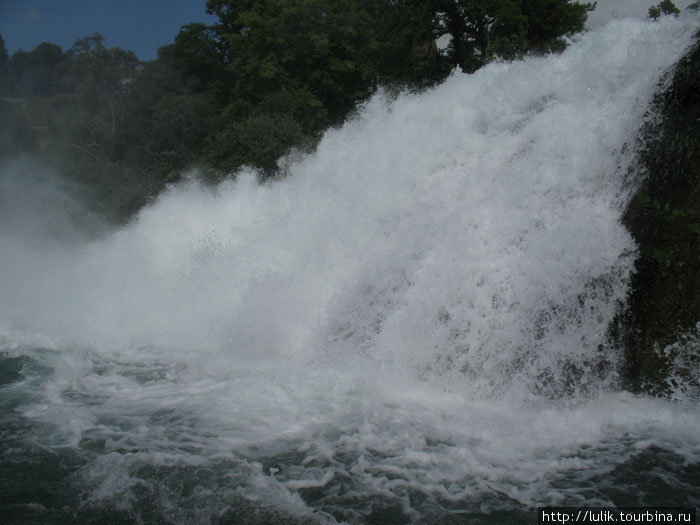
point(411, 327)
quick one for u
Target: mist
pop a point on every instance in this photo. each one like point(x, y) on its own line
point(413, 323)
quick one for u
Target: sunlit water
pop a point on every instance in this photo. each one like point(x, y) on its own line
point(410, 327)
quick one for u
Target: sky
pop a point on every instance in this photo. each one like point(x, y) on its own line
point(608, 9)
point(139, 25)
point(144, 25)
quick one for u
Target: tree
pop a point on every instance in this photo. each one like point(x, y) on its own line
point(87, 44)
point(317, 52)
point(258, 141)
point(197, 54)
point(268, 77)
point(669, 8)
point(405, 52)
point(666, 7)
point(4, 69)
point(549, 20)
point(34, 73)
point(90, 65)
point(94, 82)
point(482, 29)
point(16, 136)
point(4, 57)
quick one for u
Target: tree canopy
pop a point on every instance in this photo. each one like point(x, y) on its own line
point(269, 76)
point(666, 7)
point(315, 55)
point(480, 30)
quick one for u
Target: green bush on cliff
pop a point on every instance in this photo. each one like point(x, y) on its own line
point(258, 141)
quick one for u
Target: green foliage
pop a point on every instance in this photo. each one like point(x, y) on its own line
point(196, 55)
point(317, 52)
point(258, 141)
point(87, 118)
point(549, 20)
point(4, 67)
point(34, 73)
point(405, 52)
point(15, 134)
point(4, 57)
point(91, 66)
point(483, 29)
point(267, 78)
point(666, 7)
point(669, 8)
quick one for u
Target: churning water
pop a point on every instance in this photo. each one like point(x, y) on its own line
point(411, 327)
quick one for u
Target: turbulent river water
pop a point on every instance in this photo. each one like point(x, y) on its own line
point(409, 328)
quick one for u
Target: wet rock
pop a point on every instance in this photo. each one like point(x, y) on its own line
point(664, 218)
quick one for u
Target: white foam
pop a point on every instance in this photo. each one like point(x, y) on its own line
point(418, 306)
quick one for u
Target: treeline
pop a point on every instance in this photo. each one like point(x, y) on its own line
point(268, 77)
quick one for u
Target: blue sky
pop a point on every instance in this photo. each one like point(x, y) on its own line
point(140, 25)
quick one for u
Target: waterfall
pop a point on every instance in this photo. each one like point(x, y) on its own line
point(411, 324)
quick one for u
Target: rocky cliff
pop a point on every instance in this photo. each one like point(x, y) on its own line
point(664, 218)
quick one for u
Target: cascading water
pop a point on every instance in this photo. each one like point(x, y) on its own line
point(410, 327)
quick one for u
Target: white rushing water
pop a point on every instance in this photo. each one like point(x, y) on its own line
point(417, 314)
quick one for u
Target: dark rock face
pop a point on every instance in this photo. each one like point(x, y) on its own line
point(664, 218)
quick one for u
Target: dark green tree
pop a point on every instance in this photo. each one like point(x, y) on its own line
point(482, 29)
point(87, 44)
point(16, 137)
point(318, 53)
point(89, 64)
point(4, 67)
point(167, 122)
point(669, 8)
point(4, 57)
point(405, 52)
point(666, 7)
point(549, 20)
point(258, 141)
point(197, 54)
point(34, 73)
point(474, 26)
point(95, 84)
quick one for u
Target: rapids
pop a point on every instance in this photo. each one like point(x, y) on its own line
point(410, 327)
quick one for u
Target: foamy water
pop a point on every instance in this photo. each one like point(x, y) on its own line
point(410, 327)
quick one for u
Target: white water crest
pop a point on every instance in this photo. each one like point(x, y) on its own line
point(418, 312)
